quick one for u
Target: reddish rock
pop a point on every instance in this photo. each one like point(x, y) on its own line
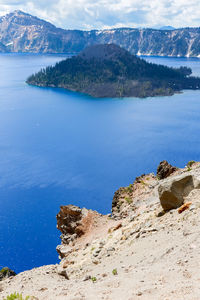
point(184, 207)
point(70, 221)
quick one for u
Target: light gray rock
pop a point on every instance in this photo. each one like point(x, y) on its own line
point(173, 190)
point(96, 252)
point(63, 272)
point(87, 277)
point(110, 249)
point(63, 250)
point(192, 207)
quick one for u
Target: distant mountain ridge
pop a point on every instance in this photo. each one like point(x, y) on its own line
point(21, 32)
point(167, 28)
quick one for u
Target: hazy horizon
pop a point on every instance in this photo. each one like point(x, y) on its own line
point(106, 28)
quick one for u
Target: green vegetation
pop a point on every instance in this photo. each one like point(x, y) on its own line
point(188, 169)
point(129, 188)
point(110, 71)
point(128, 200)
point(114, 271)
point(94, 279)
point(142, 182)
point(190, 163)
point(16, 296)
point(4, 271)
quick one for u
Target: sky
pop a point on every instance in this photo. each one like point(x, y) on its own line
point(101, 14)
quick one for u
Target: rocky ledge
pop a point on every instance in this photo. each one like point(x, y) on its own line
point(148, 248)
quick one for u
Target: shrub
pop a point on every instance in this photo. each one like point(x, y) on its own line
point(16, 296)
point(129, 188)
point(94, 279)
point(190, 163)
point(114, 271)
point(128, 200)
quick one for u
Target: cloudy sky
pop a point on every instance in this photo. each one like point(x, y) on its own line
point(100, 14)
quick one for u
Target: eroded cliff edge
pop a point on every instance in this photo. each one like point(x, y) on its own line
point(21, 32)
point(148, 248)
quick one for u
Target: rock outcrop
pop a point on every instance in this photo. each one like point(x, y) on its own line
point(73, 222)
point(172, 191)
point(70, 222)
point(78, 227)
point(165, 169)
point(128, 199)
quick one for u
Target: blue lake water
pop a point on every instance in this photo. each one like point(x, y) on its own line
point(59, 148)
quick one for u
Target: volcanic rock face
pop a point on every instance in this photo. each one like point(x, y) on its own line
point(72, 221)
point(78, 227)
point(69, 222)
point(165, 169)
point(21, 32)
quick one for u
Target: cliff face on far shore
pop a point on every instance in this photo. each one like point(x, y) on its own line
point(22, 32)
point(148, 248)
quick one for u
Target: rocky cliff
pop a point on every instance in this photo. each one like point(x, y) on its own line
point(21, 32)
point(148, 248)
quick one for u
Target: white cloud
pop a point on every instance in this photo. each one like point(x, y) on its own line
point(90, 14)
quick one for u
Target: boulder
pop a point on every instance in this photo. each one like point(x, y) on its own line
point(165, 169)
point(173, 190)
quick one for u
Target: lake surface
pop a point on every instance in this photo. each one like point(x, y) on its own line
point(59, 148)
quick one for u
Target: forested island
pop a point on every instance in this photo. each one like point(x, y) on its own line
point(111, 71)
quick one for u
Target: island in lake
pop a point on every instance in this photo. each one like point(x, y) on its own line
point(110, 71)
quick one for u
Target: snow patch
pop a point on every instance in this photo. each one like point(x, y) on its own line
point(9, 44)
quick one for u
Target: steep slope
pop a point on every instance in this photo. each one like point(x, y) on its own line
point(111, 71)
point(3, 48)
point(140, 252)
point(21, 32)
